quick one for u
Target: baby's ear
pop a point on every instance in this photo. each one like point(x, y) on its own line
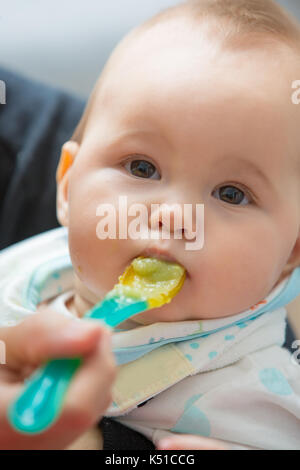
point(68, 154)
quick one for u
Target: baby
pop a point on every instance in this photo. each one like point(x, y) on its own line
point(193, 107)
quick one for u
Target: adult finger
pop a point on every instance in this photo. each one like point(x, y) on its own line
point(190, 442)
point(48, 335)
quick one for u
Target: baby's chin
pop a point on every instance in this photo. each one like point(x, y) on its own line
point(161, 314)
point(145, 319)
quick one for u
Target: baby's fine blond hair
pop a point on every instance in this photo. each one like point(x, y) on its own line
point(238, 24)
point(237, 17)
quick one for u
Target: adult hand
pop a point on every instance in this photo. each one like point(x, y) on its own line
point(48, 335)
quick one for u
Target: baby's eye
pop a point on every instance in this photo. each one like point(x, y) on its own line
point(232, 195)
point(142, 169)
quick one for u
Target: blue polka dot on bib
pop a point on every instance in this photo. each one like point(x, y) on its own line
point(275, 382)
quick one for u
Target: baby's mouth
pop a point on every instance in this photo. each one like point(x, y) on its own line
point(161, 254)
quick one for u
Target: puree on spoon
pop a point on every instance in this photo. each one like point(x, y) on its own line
point(154, 280)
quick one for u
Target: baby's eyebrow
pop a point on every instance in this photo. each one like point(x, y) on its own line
point(244, 164)
point(140, 133)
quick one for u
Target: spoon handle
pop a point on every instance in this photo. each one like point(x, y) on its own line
point(40, 402)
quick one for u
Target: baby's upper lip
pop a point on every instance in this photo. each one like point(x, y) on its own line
point(159, 253)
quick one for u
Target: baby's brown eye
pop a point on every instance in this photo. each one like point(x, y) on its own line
point(232, 195)
point(142, 169)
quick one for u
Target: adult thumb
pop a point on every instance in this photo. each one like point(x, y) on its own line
point(47, 335)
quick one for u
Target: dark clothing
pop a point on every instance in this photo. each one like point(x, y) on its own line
point(119, 437)
point(34, 123)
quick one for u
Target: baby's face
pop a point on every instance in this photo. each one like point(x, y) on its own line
point(181, 122)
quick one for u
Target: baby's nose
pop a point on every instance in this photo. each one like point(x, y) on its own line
point(169, 218)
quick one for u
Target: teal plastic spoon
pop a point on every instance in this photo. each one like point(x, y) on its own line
point(147, 283)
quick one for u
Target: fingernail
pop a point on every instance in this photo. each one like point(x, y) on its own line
point(77, 329)
point(98, 322)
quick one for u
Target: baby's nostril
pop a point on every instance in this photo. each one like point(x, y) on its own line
point(188, 234)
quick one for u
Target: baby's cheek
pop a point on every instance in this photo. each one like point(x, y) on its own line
point(95, 261)
point(88, 253)
point(234, 270)
point(252, 271)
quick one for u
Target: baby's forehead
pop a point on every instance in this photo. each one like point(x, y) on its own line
point(166, 67)
point(172, 51)
point(176, 74)
point(166, 75)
